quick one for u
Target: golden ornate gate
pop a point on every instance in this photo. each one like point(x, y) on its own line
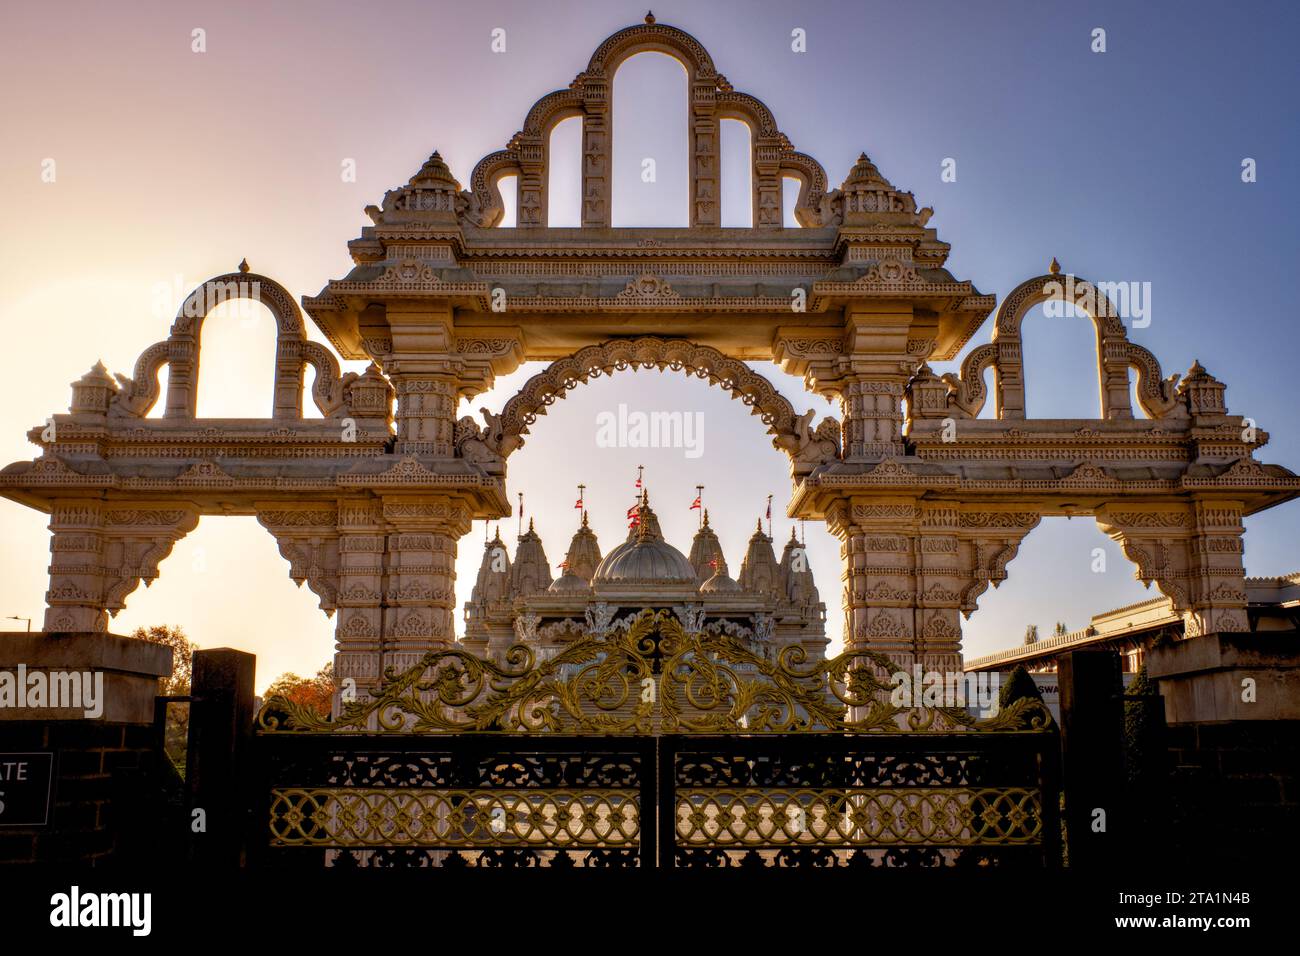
point(653, 746)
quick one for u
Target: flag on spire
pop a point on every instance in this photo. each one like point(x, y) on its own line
point(695, 505)
point(582, 490)
point(640, 472)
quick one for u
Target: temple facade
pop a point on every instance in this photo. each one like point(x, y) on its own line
point(771, 605)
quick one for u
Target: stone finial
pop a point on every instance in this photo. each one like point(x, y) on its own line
point(243, 264)
point(1204, 394)
point(1055, 267)
point(649, 16)
point(92, 393)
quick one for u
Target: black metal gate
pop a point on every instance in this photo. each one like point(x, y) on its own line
point(650, 746)
point(672, 801)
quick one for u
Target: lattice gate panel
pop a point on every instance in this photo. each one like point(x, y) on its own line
point(455, 801)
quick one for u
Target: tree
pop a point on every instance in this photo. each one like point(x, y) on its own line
point(1060, 630)
point(316, 693)
point(1031, 634)
point(173, 636)
point(1019, 684)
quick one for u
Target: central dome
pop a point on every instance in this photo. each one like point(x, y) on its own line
point(645, 557)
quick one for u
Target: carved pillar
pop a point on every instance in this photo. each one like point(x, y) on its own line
point(1191, 552)
point(75, 598)
point(877, 548)
point(873, 380)
point(706, 197)
point(767, 200)
point(1009, 381)
point(361, 547)
point(596, 184)
point(531, 205)
point(872, 412)
point(419, 586)
point(100, 553)
point(939, 576)
point(426, 410)
point(182, 371)
point(288, 377)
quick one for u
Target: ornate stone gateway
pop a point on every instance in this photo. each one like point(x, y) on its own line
point(929, 501)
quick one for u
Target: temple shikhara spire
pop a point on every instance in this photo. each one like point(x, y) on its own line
point(927, 493)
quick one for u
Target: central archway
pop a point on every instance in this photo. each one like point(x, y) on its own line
point(792, 433)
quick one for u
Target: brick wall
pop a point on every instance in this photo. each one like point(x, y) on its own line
point(103, 786)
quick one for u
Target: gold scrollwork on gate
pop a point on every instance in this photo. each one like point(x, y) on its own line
point(848, 818)
point(375, 817)
point(655, 677)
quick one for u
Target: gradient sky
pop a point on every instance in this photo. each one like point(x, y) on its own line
point(172, 165)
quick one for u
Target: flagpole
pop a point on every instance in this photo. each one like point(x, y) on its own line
point(521, 514)
point(769, 516)
point(582, 491)
point(699, 496)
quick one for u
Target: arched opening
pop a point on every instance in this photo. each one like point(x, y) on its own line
point(509, 187)
point(236, 367)
point(722, 446)
point(651, 182)
point(1059, 350)
point(737, 173)
point(228, 563)
point(790, 186)
point(564, 174)
point(1066, 570)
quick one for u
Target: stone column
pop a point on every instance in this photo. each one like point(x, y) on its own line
point(938, 588)
point(706, 195)
point(874, 380)
point(767, 198)
point(426, 414)
point(877, 547)
point(596, 160)
point(361, 547)
point(419, 594)
point(531, 205)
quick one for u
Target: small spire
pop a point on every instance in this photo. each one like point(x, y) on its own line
point(584, 519)
point(1055, 267)
point(706, 518)
point(649, 16)
point(243, 264)
point(759, 526)
point(793, 538)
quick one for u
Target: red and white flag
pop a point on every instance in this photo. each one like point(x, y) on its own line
point(578, 503)
point(695, 505)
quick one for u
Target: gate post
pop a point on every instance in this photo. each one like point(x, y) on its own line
point(1092, 734)
point(221, 727)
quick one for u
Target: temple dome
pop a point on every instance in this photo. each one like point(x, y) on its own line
point(645, 558)
point(720, 583)
point(568, 582)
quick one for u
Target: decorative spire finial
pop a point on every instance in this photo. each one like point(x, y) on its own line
point(649, 16)
point(243, 264)
point(1055, 267)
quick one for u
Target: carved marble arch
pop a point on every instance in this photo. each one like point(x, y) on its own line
point(807, 447)
point(711, 98)
point(181, 352)
point(1115, 355)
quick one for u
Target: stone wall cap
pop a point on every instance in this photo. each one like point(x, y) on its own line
point(1225, 651)
point(84, 651)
